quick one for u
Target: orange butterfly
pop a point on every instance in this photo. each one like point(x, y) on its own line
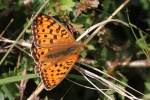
point(54, 50)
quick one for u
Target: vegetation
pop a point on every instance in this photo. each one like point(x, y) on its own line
point(119, 48)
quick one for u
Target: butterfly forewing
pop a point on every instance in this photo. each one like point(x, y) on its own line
point(47, 32)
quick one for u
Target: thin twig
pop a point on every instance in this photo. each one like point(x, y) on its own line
point(110, 77)
point(107, 83)
point(97, 25)
point(6, 27)
point(21, 43)
point(37, 91)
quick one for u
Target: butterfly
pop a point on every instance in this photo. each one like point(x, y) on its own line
point(54, 50)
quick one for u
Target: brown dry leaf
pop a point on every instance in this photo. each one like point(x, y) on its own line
point(78, 28)
point(84, 5)
point(79, 8)
point(93, 3)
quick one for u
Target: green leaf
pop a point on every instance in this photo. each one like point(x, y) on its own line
point(103, 55)
point(146, 97)
point(20, 2)
point(67, 5)
point(2, 97)
point(4, 5)
point(17, 78)
point(52, 3)
point(147, 85)
point(83, 54)
point(145, 4)
point(7, 92)
point(91, 47)
point(107, 5)
point(83, 19)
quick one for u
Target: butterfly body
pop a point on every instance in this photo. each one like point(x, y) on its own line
point(54, 50)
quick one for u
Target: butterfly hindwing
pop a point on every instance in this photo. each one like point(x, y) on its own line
point(54, 74)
